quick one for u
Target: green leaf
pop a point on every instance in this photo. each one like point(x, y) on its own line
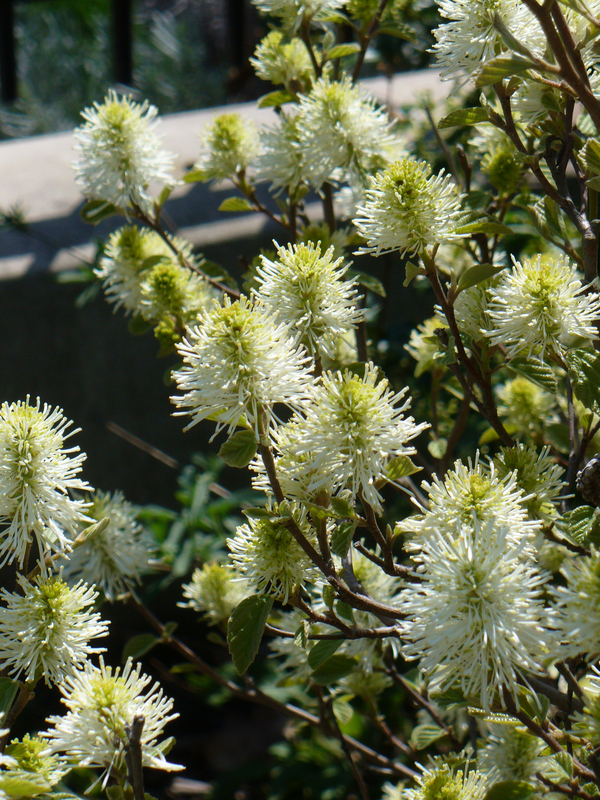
point(400, 467)
point(424, 735)
point(245, 630)
point(510, 790)
point(94, 211)
point(400, 31)
point(341, 538)
point(152, 261)
point(341, 50)
point(464, 116)
point(345, 611)
point(343, 711)
point(19, 783)
point(477, 274)
point(333, 670)
point(502, 67)
point(8, 692)
point(557, 435)
point(138, 326)
point(239, 450)
point(274, 99)
point(582, 525)
point(490, 435)
point(536, 371)
point(342, 507)
point(368, 281)
point(591, 156)
point(196, 176)
point(438, 447)
point(138, 646)
point(301, 635)
point(451, 698)
point(236, 204)
point(474, 222)
point(584, 372)
point(594, 183)
point(164, 195)
point(412, 270)
point(322, 651)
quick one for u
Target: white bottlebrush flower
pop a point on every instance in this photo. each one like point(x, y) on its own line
point(239, 362)
point(101, 704)
point(471, 309)
point(526, 407)
point(31, 757)
point(342, 132)
point(408, 209)
point(472, 494)
point(119, 154)
point(578, 606)
point(229, 145)
point(538, 475)
point(511, 754)
point(130, 283)
point(266, 553)
point(169, 289)
point(470, 38)
point(215, 591)
point(442, 781)
point(532, 101)
point(280, 62)
point(118, 556)
point(351, 429)
point(540, 305)
point(476, 619)
point(46, 627)
point(306, 290)
point(281, 160)
point(36, 474)
point(292, 12)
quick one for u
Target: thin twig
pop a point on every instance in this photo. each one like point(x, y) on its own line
point(133, 756)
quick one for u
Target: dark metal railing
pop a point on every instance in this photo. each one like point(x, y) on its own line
point(122, 33)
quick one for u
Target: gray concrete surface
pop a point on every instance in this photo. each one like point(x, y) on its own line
point(36, 175)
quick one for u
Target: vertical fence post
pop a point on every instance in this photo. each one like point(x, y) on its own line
point(8, 60)
point(122, 41)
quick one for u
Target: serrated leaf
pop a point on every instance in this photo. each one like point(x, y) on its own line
point(236, 204)
point(495, 716)
point(341, 538)
point(341, 50)
point(536, 371)
point(510, 790)
point(501, 67)
point(464, 116)
point(138, 646)
point(8, 692)
point(412, 270)
point(400, 467)
point(424, 735)
point(345, 611)
point(477, 274)
point(400, 31)
point(239, 450)
point(368, 281)
point(245, 630)
point(584, 372)
point(593, 183)
point(301, 635)
point(322, 651)
point(582, 525)
point(341, 507)
point(94, 211)
point(451, 698)
point(274, 99)
point(566, 763)
point(483, 225)
point(19, 783)
point(152, 261)
point(333, 670)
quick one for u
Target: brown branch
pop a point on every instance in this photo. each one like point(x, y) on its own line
point(366, 39)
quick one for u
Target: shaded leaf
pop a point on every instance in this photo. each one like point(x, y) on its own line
point(582, 525)
point(536, 371)
point(510, 790)
point(94, 211)
point(138, 646)
point(343, 711)
point(322, 651)
point(245, 630)
point(196, 176)
point(19, 783)
point(400, 467)
point(412, 270)
point(342, 507)
point(584, 372)
point(8, 692)
point(400, 31)
point(341, 538)
point(368, 281)
point(591, 156)
point(301, 635)
point(341, 50)
point(424, 735)
point(477, 274)
point(239, 450)
point(464, 116)
point(334, 669)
